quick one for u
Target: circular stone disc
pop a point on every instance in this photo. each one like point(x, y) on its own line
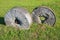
point(18, 17)
point(46, 13)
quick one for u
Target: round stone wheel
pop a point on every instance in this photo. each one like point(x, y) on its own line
point(43, 15)
point(18, 17)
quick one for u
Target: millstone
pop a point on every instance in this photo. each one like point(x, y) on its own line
point(18, 17)
point(47, 15)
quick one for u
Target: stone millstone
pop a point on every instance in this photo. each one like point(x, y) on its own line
point(18, 17)
point(45, 12)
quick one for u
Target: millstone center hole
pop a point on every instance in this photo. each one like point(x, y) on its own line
point(42, 18)
point(17, 21)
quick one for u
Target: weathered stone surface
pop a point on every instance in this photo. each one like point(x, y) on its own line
point(45, 12)
point(18, 17)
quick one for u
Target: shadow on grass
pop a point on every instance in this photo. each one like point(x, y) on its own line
point(2, 21)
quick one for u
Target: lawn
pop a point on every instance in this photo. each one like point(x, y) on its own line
point(36, 32)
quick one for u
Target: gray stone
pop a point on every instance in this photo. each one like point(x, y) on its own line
point(18, 17)
point(45, 12)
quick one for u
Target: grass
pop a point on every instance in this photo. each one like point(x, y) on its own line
point(36, 32)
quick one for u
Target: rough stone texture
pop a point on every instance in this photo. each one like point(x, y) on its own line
point(18, 17)
point(45, 12)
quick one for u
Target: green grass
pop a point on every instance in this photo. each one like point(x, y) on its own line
point(36, 32)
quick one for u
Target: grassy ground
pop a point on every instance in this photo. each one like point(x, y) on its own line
point(36, 32)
